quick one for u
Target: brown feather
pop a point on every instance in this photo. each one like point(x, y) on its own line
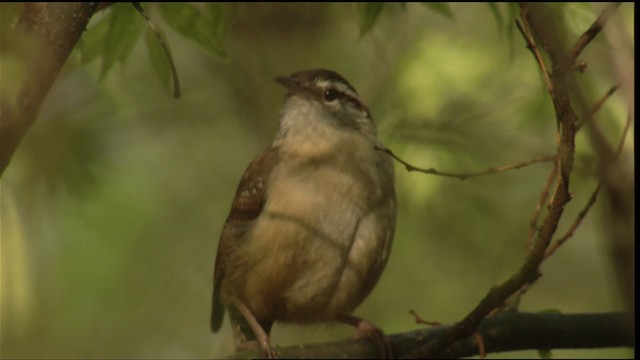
point(247, 205)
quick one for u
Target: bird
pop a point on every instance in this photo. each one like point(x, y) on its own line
point(312, 222)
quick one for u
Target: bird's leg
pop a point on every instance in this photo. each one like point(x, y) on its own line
point(367, 329)
point(261, 334)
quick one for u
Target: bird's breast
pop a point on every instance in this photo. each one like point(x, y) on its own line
point(321, 237)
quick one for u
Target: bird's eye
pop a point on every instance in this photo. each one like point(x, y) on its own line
point(331, 94)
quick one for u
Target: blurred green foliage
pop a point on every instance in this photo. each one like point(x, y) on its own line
point(112, 206)
point(191, 23)
point(121, 37)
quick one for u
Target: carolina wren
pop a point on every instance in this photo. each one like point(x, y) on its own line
point(312, 221)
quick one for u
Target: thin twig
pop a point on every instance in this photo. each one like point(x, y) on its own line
point(592, 199)
point(598, 105)
point(556, 244)
point(625, 131)
point(531, 45)
point(533, 224)
point(592, 31)
point(464, 176)
point(420, 320)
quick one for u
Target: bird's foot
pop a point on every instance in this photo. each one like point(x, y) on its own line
point(262, 347)
point(365, 329)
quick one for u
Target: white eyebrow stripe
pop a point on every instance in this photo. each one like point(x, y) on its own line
point(341, 87)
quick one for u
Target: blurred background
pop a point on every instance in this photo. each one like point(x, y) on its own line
point(113, 204)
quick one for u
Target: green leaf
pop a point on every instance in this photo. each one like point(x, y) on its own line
point(189, 21)
point(124, 29)
point(159, 60)
point(441, 8)
point(220, 15)
point(160, 54)
point(369, 13)
point(92, 42)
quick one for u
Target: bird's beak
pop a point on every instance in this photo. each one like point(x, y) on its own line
point(293, 86)
point(287, 82)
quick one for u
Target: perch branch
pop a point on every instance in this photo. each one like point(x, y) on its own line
point(509, 331)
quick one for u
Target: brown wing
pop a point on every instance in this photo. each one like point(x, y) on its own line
point(246, 206)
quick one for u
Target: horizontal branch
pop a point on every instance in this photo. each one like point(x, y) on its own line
point(508, 331)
